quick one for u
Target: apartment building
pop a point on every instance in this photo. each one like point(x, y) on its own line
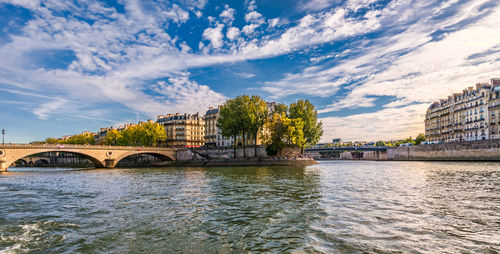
point(183, 129)
point(213, 135)
point(467, 116)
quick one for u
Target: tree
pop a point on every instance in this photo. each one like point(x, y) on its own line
point(234, 119)
point(113, 137)
point(154, 133)
point(313, 129)
point(284, 131)
point(145, 134)
point(380, 143)
point(419, 139)
point(52, 141)
point(258, 114)
point(280, 108)
point(80, 139)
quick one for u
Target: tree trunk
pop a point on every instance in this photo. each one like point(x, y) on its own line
point(234, 147)
point(244, 150)
point(255, 146)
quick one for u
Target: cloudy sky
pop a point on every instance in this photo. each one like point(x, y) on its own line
point(370, 67)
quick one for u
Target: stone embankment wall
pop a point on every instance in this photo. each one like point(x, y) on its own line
point(215, 153)
point(226, 153)
point(367, 155)
point(486, 150)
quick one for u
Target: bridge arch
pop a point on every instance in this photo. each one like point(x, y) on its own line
point(21, 162)
point(160, 155)
point(41, 162)
point(25, 153)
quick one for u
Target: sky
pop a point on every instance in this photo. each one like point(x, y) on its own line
point(371, 67)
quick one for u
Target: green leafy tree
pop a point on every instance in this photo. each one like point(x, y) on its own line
point(154, 133)
point(227, 121)
point(313, 129)
point(80, 139)
point(419, 139)
point(280, 108)
point(258, 114)
point(235, 119)
point(284, 131)
point(380, 143)
point(53, 141)
point(113, 137)
point(145, 134)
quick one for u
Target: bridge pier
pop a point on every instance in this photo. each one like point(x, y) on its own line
point(109, 163)
point(3, 166)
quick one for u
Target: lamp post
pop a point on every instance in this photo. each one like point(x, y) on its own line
point(3, 137)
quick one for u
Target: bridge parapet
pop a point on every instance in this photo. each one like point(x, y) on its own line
point(92, 147)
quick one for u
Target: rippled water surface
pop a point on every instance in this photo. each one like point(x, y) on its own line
point(333, 207)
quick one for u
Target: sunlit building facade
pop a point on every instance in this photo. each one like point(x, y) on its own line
point(186, 130)
point(213, 136)
point(467, 116)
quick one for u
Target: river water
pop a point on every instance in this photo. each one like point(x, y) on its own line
point(333, 207)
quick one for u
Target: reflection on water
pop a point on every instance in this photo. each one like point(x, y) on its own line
point(331, 207)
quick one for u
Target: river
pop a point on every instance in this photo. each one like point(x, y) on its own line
point(332, 207)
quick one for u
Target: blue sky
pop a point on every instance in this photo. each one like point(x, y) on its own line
point(371, 67)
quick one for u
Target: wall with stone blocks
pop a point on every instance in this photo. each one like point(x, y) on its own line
point(366, 155)
point(220, 153)
point(487, 150)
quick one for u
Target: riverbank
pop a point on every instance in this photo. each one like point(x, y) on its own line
point(300, 162)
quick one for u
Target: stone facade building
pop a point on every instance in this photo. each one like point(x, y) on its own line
point(213, 135)
point(183, 130)
point(467, 116)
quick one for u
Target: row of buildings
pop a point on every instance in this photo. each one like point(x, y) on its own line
point(193, 130)
point(473, 114)
point(188, 130)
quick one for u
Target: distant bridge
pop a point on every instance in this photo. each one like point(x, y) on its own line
point(348, 149)
point(101, 156)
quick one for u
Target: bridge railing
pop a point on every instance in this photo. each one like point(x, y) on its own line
point(70, 146)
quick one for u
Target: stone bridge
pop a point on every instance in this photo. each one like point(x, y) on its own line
point(101, 156)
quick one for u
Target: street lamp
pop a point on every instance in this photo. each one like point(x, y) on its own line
point(3, 137)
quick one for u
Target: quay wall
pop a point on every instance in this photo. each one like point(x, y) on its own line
point(485, 150)
point(220, 153)
point(366, 155)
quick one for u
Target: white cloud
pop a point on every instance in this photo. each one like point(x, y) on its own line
point(233, 33)
point(249, 29)
point(198, 14)
point(176, 14)
point(274, 22)
point(254, 17)
point(227, 15)
point(185, 48)
point(45, 109)
point(251, 5)
point(183, 95)
point(315, 4)
point(306, 82)
point(245, 74)
point(214, 35)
